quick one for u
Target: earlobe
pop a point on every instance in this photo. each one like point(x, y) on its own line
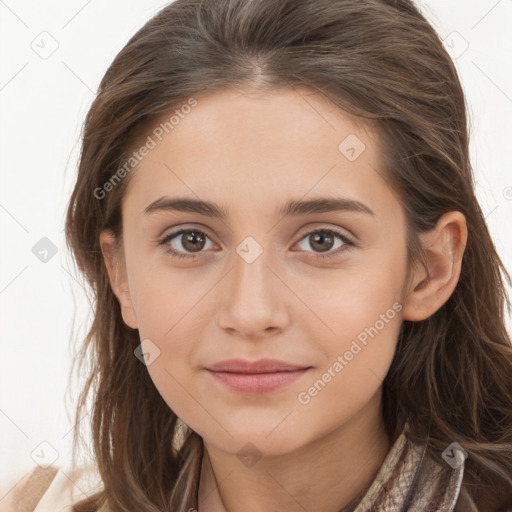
point(118, 277)
point(444, 247)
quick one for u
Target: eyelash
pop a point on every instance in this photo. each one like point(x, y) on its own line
point(348, 243)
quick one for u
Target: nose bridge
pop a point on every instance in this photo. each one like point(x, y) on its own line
point(253, 301)
point(252, 278)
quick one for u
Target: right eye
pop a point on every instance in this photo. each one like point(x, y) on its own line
point(189, 239)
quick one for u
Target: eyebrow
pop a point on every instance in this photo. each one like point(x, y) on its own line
point(291, 208)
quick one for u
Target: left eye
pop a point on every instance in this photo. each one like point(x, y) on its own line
point(324, 240)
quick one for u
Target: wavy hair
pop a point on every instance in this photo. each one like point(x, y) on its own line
point(381, 60)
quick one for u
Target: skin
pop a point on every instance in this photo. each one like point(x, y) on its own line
point(251, 152)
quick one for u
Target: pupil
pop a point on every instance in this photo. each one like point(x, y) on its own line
point(192, 238)
point(322, 237)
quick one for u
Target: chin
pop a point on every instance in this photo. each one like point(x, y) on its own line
point(258, 440)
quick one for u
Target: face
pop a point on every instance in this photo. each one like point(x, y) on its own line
point(317, 288)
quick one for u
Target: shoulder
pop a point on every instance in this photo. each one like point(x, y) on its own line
point(50, 489)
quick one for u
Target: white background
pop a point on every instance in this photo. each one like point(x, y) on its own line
point(43, 103)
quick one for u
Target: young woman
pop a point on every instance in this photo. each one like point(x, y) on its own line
point(298, 305)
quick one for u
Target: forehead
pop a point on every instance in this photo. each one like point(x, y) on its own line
point(260, 148)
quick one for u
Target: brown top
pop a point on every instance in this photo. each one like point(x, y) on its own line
point(29, 493)
point(49, 489)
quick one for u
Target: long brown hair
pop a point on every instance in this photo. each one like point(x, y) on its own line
point(380, 60)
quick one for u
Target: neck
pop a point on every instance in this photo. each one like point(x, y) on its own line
point(328, 474)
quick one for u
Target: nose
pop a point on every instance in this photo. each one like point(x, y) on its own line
point(254, 301)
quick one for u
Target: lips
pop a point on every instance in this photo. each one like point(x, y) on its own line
point(256, 377)
point(259, 366)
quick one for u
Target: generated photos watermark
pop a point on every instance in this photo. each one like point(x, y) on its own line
point(361, 341)
point(151, 142)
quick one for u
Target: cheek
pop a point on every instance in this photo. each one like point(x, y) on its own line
point(343, 303)
point(172, 308)
point(173, 372)
point(167, 299)
point(361, 315)
point(353, 373)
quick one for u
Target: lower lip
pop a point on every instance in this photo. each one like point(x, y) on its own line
point(257, 383)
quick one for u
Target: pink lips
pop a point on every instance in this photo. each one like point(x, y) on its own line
point(256, 377)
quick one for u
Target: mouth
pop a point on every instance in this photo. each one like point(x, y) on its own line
point(256, 377)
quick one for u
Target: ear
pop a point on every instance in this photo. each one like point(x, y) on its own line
point(444, 247)
point(118, 276)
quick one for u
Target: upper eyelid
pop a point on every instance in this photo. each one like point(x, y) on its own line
point(336, 230)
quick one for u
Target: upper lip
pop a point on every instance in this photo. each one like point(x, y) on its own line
point(259, 366)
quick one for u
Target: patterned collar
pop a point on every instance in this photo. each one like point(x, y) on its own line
point(409, 480)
